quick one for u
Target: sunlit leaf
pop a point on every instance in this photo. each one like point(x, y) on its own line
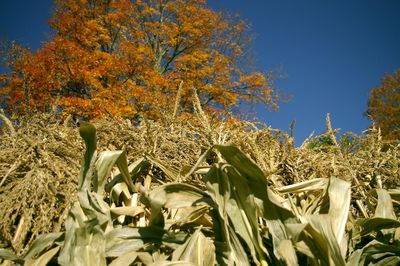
point(198, 250)
point(123, 240)
point(384, 209)
point(42, 243)
point(178, 195)
point(44, 259)
point(309, 185)
point(325, 245)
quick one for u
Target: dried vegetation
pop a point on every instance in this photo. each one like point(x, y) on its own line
point(40, 160)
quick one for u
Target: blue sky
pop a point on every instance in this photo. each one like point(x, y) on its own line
point(332, 52)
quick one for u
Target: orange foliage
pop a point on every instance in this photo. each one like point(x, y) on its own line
point(384, 106)
point(128, 57)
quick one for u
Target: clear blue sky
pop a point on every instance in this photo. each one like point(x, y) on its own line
point(332, 52)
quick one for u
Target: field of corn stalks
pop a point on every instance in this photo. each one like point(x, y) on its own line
point(195, 191)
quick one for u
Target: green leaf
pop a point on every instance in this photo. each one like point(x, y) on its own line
point(88, 133)
point(243, 164)
point(126, 259)
point(89, 246)
point(198, 250)
point(179, 195)
point(120, 189)
point(94, 207)
point(8, 255)
point(377, 253)
point(270, 208)
point(322, 241)
point(339, 206)
point(242, 212)
point(123, 240)
point(44, 259)
point(325, 235)
point(173, 195)
point(86, 246)
point(369, 225)
point(85, 226)
point(227, 245)
point(394, 194)
point(42, 243)
point(354, 258)
point(236, 207)
point(389, 261)
point(287, 252)
point(104, 164)
point(267, 204)
point(127, 210)
point(197, 215)
point(122, 163)
point(172, 263)
point(136, 170)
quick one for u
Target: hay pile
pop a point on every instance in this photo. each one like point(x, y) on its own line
point(40, 162)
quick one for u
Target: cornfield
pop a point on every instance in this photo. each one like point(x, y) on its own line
point(195, 191)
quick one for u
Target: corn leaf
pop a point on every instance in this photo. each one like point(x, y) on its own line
point(9, 256)
point(44, 259)
point(94, 207)
point(135, 169)
point(191, 215)
point(339, 206)
point(287, 252)
point(376, 253)
point(123, 240)
point(237, 211)
point(172, 263)
point(127, 210)
point(104, 164)
point(322, 242)
point(84, 240)
point(227, 245)
point(369, 225)
point(271, 209)
point(242, 212)
point(305, 186)
point(171, 175)
point(198, 250)
point(178, 195)
point(126, 259)
point(43, 243)
point(384, 209)
point(120, 189)
point(88, 133)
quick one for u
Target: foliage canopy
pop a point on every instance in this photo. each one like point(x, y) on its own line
point(125, 57)
point(384, 106)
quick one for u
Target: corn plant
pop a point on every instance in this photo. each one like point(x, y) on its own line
point(90, 237)
point(120, 218)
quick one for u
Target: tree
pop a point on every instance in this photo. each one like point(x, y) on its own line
point(127, 57)
point(384, 106)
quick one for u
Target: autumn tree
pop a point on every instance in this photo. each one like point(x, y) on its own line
point(384, 106)
point(128, 57)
